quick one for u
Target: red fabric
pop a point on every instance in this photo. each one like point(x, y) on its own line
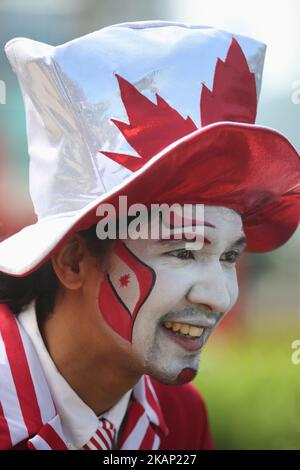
point(250, 169)
point(51, 437)
point(154, 126)
point(233, 96)
point(135, 412)
point(138, 412)
point(20, 370)
point(5, 439)
point(186, 417)
point(181, 408)
point(103, 438)
point(20, 446)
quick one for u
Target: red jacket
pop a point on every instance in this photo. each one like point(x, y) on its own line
point(186, 417)
point(27, 410)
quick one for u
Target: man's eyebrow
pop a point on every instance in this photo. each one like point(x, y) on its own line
point(195, 223)
point(240, 243)
point(173, 240)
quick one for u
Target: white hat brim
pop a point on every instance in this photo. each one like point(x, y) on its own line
point(268, 149)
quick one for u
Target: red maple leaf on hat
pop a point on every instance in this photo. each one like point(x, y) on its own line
point(152, 127)
point(233, 97)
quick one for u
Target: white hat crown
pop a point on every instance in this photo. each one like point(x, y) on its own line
point(72, 96)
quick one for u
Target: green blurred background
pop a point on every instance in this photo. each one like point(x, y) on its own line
point(250, 385)
point(252, 389)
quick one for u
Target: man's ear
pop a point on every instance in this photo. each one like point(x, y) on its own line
point(70, 262)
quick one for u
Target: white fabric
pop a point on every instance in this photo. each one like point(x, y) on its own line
point(71, 94)
point(9, 399)
point(40, 443)
point(135, 439)
point(79, 422)
point(40, 384)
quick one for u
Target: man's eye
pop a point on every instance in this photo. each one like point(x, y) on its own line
point(230, 256)
point(181, 254)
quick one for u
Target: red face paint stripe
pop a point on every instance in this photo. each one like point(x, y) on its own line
point(20, 370)
point(113, 310)
point(112, 307)
point(145, 275)
point(117, 295)
point(5, 439)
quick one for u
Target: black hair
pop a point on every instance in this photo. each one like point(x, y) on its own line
point(41, 286)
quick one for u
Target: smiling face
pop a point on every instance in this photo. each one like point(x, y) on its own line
point(171, 298)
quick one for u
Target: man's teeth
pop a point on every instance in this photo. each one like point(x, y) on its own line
point(184, 329)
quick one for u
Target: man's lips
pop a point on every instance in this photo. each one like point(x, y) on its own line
point(201, 321)
point(187, 341)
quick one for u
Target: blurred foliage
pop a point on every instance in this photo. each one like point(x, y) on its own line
point(252, 389)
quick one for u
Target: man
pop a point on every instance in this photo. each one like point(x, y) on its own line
point(100, 339)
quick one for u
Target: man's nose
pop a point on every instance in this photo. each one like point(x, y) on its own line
point(210, 289)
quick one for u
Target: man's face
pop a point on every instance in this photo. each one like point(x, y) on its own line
point(191, 291)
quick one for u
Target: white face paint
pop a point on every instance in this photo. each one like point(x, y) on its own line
point(192, 287)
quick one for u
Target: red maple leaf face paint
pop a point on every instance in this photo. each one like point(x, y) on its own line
point(124, 280)
point(124, 290)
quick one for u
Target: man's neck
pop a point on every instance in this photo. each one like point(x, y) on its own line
point(95, 361)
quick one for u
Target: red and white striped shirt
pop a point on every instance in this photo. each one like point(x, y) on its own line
point(79, 422)
point(29, 411)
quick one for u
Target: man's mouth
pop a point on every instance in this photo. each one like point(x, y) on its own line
point(189, 337)
point(184, 329)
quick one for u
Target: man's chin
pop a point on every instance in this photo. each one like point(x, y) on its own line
point(185, 375)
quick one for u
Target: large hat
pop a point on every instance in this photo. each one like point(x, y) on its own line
point(157, 111)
